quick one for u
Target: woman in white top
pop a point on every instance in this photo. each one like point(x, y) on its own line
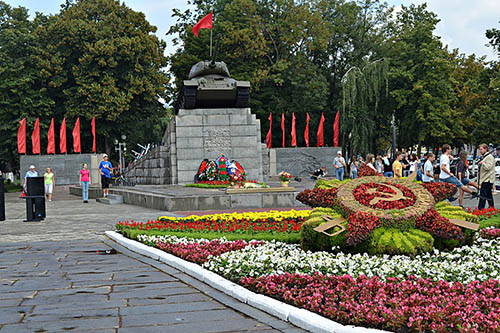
point(370, 159)
point(413, 163)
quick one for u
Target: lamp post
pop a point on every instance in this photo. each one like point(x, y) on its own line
point(393, 123)
point(119, 147)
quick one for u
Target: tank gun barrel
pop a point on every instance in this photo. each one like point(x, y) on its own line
point(212, 63)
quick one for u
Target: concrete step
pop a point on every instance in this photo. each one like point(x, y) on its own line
point(112, 199)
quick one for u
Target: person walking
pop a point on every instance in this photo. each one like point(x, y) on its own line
point(30, 173)
point(105, 169)
point(405, 164)
point(50, 182)
point(387, 166)
point(397, 167)
point(445, 176)
point(85, 182)
point(428, 174)
point(339, 164)
point(463, 175)
point(486, 177)
point(354, 168)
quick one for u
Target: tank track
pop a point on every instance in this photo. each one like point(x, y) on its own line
point(242, 97)
point(188, 98)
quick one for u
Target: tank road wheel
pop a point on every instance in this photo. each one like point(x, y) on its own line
point(188, 98)
point(242, 97)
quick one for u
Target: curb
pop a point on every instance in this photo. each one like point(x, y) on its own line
point(299, 317)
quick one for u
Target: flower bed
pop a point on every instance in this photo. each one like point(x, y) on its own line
point(318, 197)
point(438, 291)
point(273, 221)
point(367, 192)
point(440, 191)
point(413, 304)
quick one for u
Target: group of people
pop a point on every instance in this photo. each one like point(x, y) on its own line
point(105, 170)
point(405, 164)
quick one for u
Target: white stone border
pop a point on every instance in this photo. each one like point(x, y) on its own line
point(299, 317)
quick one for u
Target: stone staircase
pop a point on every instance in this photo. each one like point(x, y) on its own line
point(112, 199)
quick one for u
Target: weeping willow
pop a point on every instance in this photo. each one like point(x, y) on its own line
point(361, 92)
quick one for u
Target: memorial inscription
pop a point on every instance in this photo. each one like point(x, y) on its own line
point(216, 139)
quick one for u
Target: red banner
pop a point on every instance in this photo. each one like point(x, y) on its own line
point(51, 144)
point(336, 130)
point(283, 129)
point(35, 137)
point(294, 134)
point(269, 133)
point(306, 131)
point(62, 137)
point(76, 137)
point(320, 134)
point(21, 137)
point(204, 23)
point(93, 134)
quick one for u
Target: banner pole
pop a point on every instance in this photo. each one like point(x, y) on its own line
point(211, 42)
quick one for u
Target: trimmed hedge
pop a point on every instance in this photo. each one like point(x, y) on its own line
point(396, 242)
point(316, 241)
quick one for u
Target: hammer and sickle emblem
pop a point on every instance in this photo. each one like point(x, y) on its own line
point(330, 223)
point(387, 196)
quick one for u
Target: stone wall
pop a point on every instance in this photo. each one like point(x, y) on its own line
point(208, 133)
point(66, 168)
point(151, 169)
point(301, 161)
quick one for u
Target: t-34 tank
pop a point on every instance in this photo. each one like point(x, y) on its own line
point(209, 85)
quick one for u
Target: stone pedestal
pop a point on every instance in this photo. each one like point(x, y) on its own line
point(207, 133)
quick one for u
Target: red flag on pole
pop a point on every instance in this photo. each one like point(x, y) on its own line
point(21, 137)
point(306, 132)
point(321, 142)
point(93, 134)
point(76, 137)
point(62, 137)
point(294, 134)
point(35, 138)
point(269, 133)
point(336, 130)
point(204, 23)
point(283, 129)
point(51, 145)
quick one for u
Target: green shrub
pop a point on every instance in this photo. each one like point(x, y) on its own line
point(491, 222)
point(326, 184)
point(449, 211)
point(316, 241)
point(393, 241)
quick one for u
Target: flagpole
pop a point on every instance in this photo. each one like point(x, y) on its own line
point(211, 43)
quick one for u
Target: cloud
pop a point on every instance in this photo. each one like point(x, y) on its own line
point(464, 23)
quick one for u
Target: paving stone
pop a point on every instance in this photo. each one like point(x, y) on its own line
point(71, 308)
point(178, 317)
point(143, 287)
point(68, 299)
point(73, 314)
point(173, 307)
point(194, 296)
point(240, 325)
point(155, 294)
point(63, 325)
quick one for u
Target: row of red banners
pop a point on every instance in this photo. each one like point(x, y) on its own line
point(320, 142)
point(51, 144)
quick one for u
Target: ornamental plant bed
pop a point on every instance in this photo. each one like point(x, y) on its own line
point(441, 291)
point(247, 223)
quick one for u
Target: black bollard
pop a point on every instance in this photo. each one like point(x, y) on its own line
point(2, 201)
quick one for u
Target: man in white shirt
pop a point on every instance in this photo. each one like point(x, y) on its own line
point(339, 164)
point(30, 173)
point(428, 175)
point(445, 176)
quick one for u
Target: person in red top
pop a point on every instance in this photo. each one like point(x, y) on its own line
point(85, 182)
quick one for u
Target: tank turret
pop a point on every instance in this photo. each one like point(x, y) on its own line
point(209, 85)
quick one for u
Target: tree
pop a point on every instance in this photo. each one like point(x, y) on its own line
point(21, 91)
point(100, 58)
point(419, 76)
point(362, 89)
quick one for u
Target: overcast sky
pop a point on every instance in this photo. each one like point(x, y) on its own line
point(463, 22)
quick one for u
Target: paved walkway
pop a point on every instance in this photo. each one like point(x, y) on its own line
point(52, 279)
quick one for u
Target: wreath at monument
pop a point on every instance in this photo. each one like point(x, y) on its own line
point(380, 215)
point(220, 170)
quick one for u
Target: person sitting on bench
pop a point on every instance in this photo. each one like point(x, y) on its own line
point(320, 173)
